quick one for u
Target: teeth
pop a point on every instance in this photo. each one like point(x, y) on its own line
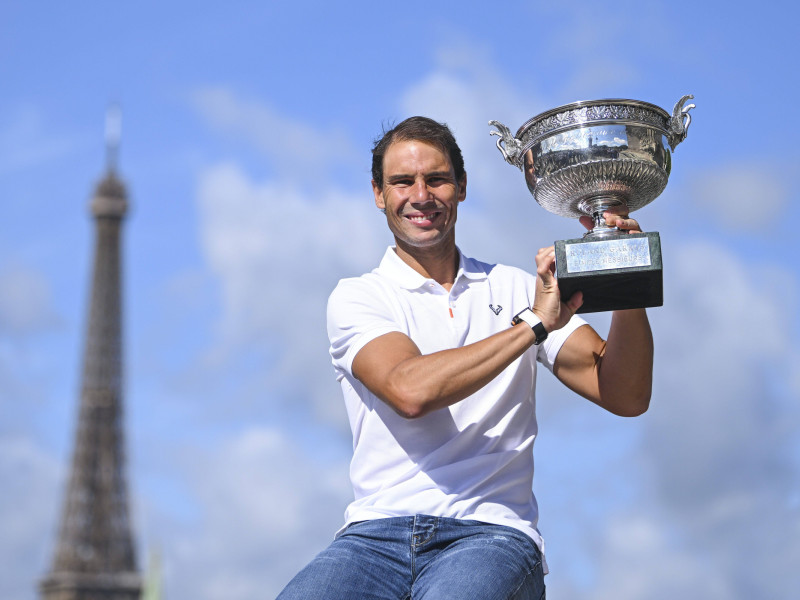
point(422, 217)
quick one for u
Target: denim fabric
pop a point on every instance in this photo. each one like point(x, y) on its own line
point(423, 558)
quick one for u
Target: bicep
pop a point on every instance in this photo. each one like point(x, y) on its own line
point(374, 363)
point(578, 362)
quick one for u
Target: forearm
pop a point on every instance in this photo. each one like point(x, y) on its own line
point(419, 384)
point(625, 371)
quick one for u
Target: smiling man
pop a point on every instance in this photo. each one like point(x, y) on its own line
point(437, 357)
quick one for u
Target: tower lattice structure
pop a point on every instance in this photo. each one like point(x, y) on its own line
point(94, 556)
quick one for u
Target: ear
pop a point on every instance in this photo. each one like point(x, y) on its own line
point(378, 192)
point(462, 188)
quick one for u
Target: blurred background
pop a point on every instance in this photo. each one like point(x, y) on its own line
point(245, 148)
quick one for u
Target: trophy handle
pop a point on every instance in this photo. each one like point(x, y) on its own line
point(508, 145)
point(679, 122)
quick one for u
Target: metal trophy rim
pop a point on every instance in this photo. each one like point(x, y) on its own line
point(665, 116)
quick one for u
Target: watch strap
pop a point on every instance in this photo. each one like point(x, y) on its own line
point(535, 323)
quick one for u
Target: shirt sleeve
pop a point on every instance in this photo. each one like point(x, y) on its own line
point(357, 314)
point(548, 350)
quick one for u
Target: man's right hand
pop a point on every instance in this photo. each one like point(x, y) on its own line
point(547, 304)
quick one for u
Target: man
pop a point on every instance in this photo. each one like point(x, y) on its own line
point(439, 388)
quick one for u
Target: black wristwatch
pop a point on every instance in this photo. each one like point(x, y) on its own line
point(529, 317)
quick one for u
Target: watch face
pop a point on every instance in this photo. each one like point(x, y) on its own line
point(541, 333)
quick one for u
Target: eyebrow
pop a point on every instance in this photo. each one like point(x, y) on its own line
point(400, 176)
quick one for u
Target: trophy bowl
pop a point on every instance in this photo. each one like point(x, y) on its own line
point(589, 157)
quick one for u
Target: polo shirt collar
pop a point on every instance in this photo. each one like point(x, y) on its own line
point(393, 267)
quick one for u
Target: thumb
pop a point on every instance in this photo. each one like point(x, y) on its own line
point(575, 302)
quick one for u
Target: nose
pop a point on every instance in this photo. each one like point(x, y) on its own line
point(420, 192)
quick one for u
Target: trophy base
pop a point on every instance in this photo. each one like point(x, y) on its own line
point(615, 273)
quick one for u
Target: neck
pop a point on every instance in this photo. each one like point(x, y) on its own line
point(439, 262)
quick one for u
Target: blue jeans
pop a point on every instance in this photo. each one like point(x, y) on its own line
point(423, 557)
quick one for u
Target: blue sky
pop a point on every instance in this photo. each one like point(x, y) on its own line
point(245, 146)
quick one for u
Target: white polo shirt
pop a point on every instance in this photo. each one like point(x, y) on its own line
point(471, 460)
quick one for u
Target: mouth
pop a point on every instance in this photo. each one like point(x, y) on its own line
point(423, 219)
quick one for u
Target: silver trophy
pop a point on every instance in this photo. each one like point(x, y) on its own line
point(586, 158)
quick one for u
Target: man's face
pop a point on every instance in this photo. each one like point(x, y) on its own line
point(420, 193)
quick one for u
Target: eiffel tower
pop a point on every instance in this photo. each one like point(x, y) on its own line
point(94, 556)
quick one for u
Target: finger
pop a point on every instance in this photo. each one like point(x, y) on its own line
point(621, 221)
point(575, 302)
point(629, 225)
point(545, 264)
point(544, 255)
point(587, 222)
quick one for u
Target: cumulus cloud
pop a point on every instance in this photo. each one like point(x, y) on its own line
point(593, 48)
point(278, 252)
point(267, 503)
point(27, 312)
point(27, 141)
point(305, 242)
point(31, 480)
point(26, 304)
point(641, 560)
point(699, 496)
point(721, 446)
point(743, 196)
point(296, 149)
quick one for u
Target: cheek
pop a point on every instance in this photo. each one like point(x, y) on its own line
point(393, 201)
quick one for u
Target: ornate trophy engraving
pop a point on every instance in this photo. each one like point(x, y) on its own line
point(588, 157)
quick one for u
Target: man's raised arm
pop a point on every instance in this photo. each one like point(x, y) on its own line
point(616, 374)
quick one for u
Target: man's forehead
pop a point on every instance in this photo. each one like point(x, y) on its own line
point(405, 150)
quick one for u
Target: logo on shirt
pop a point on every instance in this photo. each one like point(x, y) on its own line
point(496, 310)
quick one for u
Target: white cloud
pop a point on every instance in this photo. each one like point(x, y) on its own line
point(26, 303)
point(640, 560)
point(28, 513)
point(278, 252)
point(743, 196)
point(722, 442)
point(27, 310)
point(702, 501)
point(267, 503)
point(27, 141)
point(599, 51)
point(297, 149)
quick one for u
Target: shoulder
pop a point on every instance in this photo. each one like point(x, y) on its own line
point(362, 288)
point(359, 310)
point(359, 299)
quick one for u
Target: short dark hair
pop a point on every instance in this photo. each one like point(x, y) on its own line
point(420, 129)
